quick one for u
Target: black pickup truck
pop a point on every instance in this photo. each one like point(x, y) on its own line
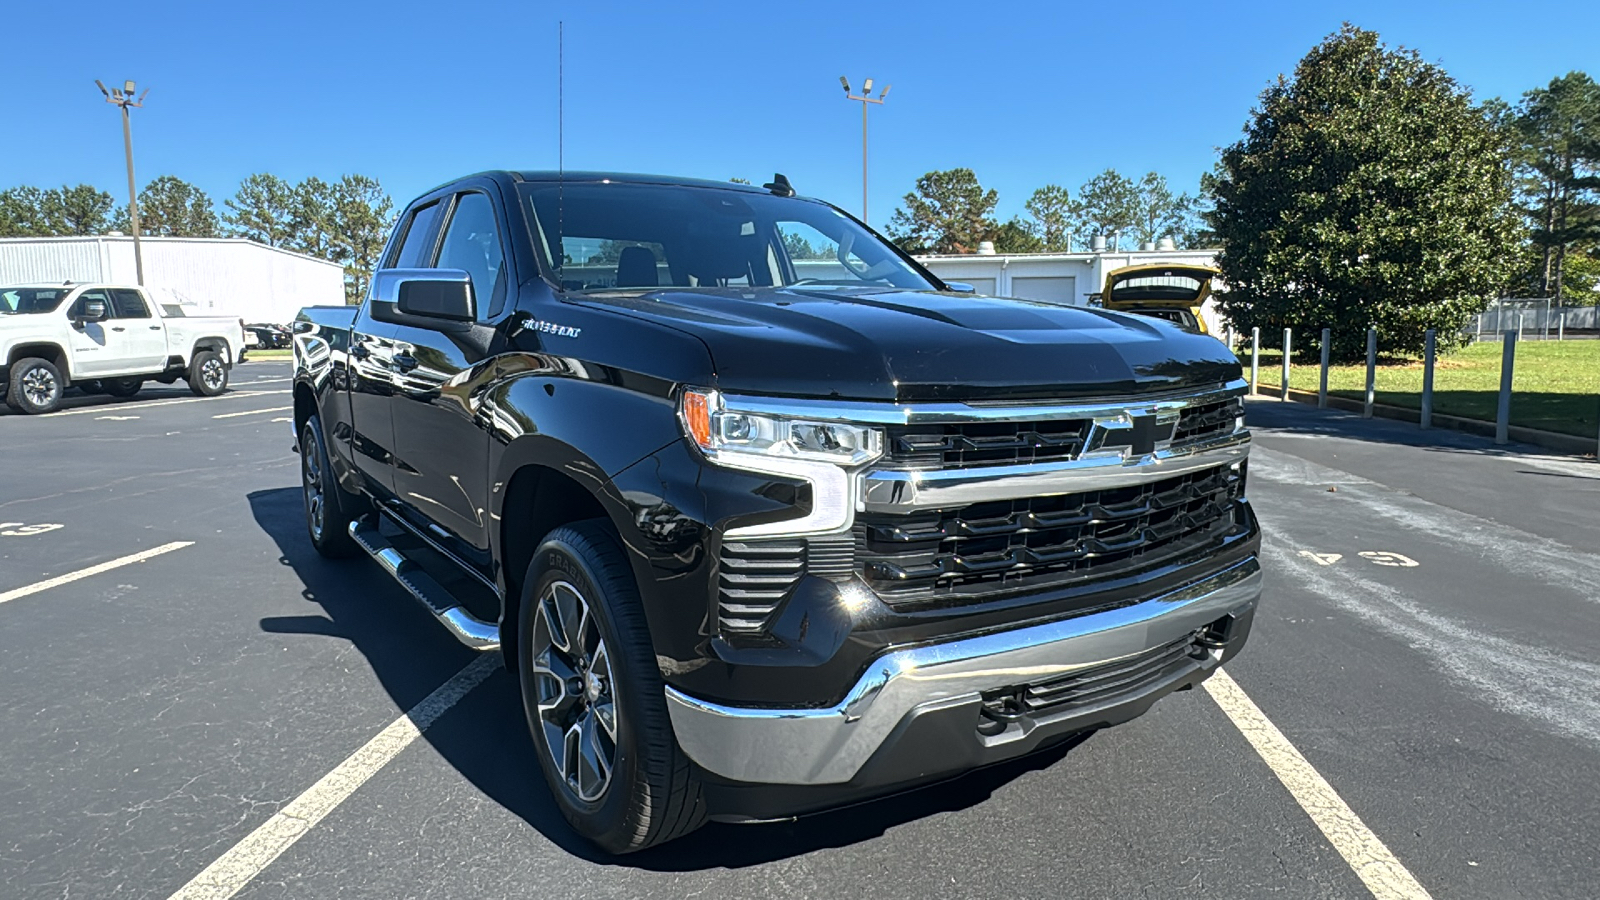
point(765, 517)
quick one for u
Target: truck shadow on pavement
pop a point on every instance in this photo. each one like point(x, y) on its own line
point(485, 738)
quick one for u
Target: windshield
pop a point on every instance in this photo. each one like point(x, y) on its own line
point(15, 301)
point(639, 237)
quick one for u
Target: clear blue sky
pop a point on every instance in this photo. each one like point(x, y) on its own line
point(418, 93)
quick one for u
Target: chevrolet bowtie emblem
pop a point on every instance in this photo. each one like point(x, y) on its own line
point(1141, 432)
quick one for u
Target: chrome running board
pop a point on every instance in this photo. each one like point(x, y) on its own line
point(468, 629)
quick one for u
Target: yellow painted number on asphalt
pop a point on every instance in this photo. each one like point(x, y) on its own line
point(1385, 558)
point(17, 529)
point(1322, 559)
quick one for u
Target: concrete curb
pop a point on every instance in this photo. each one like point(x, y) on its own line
point(1550, 440)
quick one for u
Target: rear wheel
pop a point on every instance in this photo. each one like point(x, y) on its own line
point(327, 519)
point(35, 386)
point(122, 387)
point(208, 374)
point(593, 696)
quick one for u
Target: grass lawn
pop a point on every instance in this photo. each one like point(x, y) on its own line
point(1555, 385)
point(287, 353)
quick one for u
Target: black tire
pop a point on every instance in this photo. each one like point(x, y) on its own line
point(327, 514)
point(208, 374)
point(91, 388)
point(651, 794)
point(35, 386)
point(122, 387)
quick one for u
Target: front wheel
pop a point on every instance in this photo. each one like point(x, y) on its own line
point(208, 374)
point(35, 386)
point(593, 696)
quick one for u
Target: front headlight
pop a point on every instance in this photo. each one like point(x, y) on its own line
point(718, 430)
point(741, 434)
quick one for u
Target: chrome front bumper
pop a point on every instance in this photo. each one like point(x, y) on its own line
point(831, 745)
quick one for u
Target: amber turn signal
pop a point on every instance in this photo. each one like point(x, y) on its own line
point(697, 417)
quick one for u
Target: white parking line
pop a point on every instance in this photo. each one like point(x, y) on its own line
point(59, 580)
point(90, 410)
point(253, 412)
point(246, 859)
point(1372, 861)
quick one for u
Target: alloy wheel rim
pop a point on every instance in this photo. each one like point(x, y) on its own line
point(211, 374)
point(39, 386)
point(574, 690)
point(312, 478)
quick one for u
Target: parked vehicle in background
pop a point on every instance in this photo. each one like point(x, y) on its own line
point(1162, 291)
point(759, 542)
point(270, 337)
point(109, 337)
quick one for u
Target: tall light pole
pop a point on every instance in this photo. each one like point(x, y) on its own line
point(865, 98)
point(123, 97)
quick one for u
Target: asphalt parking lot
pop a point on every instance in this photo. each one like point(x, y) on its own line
point(1421, 711)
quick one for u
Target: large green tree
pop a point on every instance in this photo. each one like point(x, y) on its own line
point(1158, 211)
point(949, 212)
point(172, 207)
point(358, 224)
point(1107, 204)
point(311, 219)
point(1367, 188)
point(1016, 236)
point(1557, 131)
point(22, 212)
point(1051, 211)
point(261, 210)
point(76, 210)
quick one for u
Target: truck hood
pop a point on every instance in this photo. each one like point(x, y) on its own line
point(889, 344)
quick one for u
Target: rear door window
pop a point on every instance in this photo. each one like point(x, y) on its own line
point(128, 305)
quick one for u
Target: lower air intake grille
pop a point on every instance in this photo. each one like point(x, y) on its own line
point(1106, 682)
point(755, 576)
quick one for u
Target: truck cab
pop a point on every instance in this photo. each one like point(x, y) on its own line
point(763, 516)
point(105, 337)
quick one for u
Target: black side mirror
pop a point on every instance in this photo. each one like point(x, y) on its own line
point(92, 311)
point(438, 296)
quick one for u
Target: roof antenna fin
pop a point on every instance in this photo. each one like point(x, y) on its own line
point(780, 185)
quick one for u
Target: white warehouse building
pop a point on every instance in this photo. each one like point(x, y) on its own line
point(209, 276)
point(1070, 279)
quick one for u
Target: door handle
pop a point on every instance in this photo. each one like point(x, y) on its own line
point(155, 327)
point(360, 351)
point(405, 362)
point(118, 328)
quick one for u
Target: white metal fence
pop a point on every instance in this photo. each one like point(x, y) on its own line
point(1533, 320)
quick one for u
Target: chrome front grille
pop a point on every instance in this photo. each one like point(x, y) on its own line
point(957, 445)
point(1208, 420)
point(977, 550)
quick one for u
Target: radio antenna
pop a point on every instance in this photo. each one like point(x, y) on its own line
point(561, 151)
